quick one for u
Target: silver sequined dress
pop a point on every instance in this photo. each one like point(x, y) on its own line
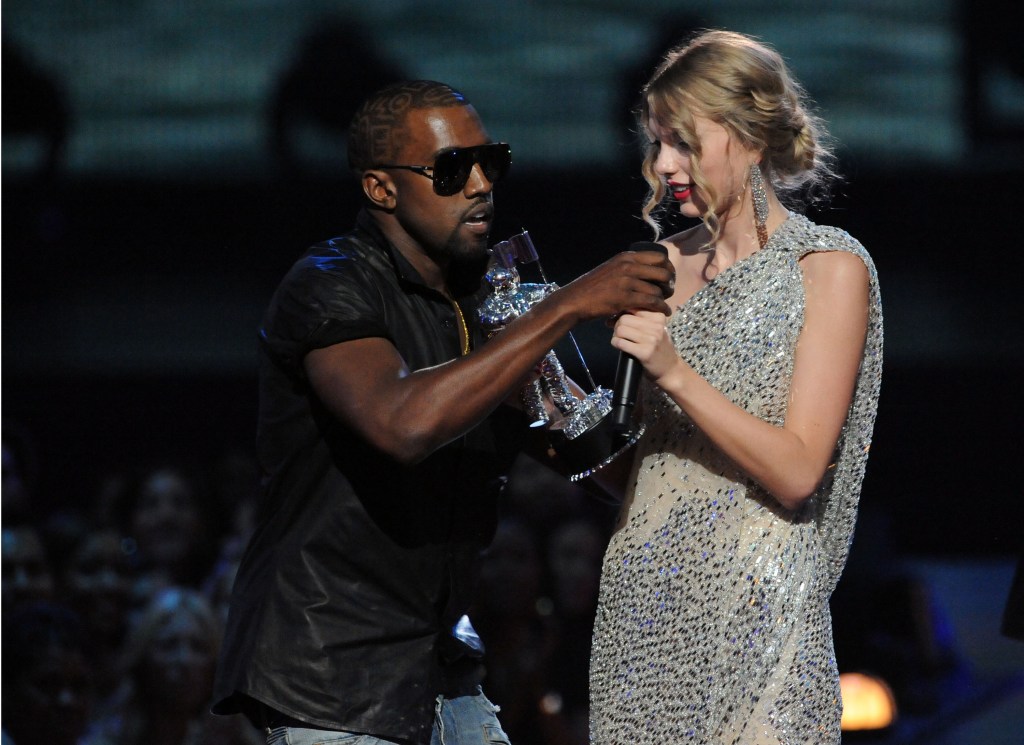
point(713, 623)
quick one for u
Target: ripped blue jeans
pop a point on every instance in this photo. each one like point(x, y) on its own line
point(462, 720)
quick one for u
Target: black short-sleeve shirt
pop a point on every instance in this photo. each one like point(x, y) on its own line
point(344, 603)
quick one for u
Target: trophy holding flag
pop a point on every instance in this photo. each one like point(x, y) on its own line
point(579, 427)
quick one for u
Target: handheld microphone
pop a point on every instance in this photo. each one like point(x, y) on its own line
point(628, 370)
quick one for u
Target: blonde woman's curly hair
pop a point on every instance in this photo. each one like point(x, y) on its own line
point(744, 85)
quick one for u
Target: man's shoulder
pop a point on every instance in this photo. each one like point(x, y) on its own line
point(337, 290)
point(349, 257)
point(342, 253)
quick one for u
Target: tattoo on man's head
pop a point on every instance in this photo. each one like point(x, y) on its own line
point(379, 126)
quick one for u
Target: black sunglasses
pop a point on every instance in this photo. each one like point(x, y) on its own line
point(452, 167)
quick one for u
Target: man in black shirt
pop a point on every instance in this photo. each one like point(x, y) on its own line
point(381, 416)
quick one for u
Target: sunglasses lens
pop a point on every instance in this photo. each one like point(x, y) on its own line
point(451, 171)
point(495, 160)
point(452, 168)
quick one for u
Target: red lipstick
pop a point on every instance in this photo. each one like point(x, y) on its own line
point(680, 192)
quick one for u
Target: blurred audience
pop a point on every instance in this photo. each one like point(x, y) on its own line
point(172, 526)
point(574, 553)
point(47, 684)
point(96, 581)
point(535, 608)
point(27, 573)
point(167, 679)
point(142, 572)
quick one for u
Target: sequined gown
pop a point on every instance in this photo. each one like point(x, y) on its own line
point(713, 623)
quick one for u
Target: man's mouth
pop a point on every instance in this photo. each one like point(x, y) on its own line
point(480, 216)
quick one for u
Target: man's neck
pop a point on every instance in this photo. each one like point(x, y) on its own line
point(433, 275)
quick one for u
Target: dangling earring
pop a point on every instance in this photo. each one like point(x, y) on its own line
point(760, 196)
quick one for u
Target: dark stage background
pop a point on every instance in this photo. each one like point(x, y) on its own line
point(164, 163)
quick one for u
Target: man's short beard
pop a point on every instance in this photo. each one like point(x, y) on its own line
point(467, 265)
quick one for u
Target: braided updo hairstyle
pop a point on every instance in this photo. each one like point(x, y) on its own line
point(743, 85)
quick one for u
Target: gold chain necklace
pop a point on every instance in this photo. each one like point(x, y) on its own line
point(463, 329)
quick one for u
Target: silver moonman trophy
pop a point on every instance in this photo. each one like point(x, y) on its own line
point(579, 429)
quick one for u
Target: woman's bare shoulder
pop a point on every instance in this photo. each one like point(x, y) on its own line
point(834, 266)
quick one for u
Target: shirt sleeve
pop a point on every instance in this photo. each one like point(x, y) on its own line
point(323, 300)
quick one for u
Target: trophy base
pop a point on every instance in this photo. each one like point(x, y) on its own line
point(588, 452)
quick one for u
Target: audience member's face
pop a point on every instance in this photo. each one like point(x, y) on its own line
point(50, 702)
point(452, 226)
point(178, 668)
point(98, 580)
point(166, 522)
point(26, 571)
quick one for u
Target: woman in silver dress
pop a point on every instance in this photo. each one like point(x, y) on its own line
point(760, 397)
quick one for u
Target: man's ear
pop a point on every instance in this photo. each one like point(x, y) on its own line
point(379, 189)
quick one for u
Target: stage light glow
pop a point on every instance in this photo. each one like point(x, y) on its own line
point(868, 703)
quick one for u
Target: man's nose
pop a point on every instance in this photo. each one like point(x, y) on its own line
point(478, 183)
